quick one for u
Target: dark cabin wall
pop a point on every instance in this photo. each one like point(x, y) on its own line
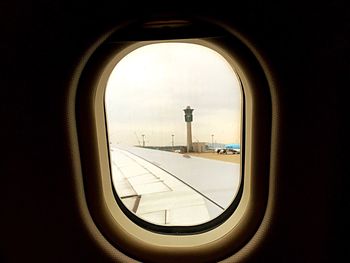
point(41, 43)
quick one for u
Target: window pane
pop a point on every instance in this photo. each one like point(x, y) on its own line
point(174, 122)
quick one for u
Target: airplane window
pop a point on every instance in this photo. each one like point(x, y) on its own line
point(174, 119)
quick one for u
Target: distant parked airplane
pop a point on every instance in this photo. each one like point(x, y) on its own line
point(231, 148)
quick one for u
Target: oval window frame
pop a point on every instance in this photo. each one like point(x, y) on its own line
point(191, 229)
point(111, 221)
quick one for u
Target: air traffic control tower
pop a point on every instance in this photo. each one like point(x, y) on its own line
point(188, 120)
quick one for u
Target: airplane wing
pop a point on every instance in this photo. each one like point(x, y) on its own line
point(168, 188)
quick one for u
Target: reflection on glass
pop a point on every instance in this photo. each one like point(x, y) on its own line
point(174, 120)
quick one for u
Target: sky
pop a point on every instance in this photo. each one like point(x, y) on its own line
point(149, 88)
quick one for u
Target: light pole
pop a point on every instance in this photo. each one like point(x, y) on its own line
point(212, 141)
point(172, 141)
point(143, 140)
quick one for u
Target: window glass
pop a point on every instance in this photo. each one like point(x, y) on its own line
point(173, 114)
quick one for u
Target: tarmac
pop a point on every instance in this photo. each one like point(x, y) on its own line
point(233, 158)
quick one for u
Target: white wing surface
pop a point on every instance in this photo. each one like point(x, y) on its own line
point(168, 188)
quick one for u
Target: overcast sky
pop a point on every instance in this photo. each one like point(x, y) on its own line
point(149, 88)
